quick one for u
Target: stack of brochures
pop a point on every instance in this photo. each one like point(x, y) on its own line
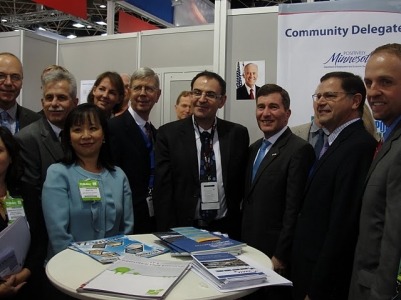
point(113, 248)
point(185, 241)
point(137, 277)
point(227, 272)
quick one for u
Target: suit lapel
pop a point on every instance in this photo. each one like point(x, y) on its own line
point(187, 138)
point(270, 156)
point(50, 141)
point(224, 144)
point(134, 132)
point(384, 149)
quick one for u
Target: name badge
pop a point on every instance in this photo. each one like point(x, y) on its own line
point(15, 208)
point(89, 190)
point(209, 196)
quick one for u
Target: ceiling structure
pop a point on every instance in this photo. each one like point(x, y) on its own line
point(27, 15)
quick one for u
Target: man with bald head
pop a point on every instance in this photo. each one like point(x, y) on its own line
point(127, 93)
point(249, 89)
point(13, 116)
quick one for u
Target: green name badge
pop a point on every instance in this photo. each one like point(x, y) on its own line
point(89, 190)
point(15, 208)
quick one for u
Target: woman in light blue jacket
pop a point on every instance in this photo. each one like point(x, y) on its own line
point(85, 197)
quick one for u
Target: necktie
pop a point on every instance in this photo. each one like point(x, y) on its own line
point(4, 120)
point(319, 142)
point(324, 149)
point(148, 132)
point(260, 157)
point(251, 95)
point(379, 145)
point(207, 169)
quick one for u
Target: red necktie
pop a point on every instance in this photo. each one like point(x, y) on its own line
point(379, 144)
point(251, 95)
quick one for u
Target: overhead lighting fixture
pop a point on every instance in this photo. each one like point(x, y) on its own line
point(71, 36)
point(4, 20)
point(102, 6)
point(103, 34)
point(176, 2)
point(98, 20)
point(41, 28)
point(78, 25)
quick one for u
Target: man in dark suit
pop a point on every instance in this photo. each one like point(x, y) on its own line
point(199, 184)
point(378, 251)
point(11, 76)
point(40, 141)
point(132, 139)
point(273, 190)
point(327, 226)
point(249, 89)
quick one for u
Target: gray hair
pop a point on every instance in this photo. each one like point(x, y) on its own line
point(145, 73)
point(59, 75)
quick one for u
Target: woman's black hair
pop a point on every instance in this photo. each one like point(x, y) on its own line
point(16, 168)
point(81, 114)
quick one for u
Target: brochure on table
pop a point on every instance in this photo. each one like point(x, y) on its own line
point(111, 249)
point(228, 273)
point(14, 245)
point(138, 277)
point(182, 245)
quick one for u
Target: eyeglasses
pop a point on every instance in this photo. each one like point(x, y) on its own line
point(15, 78)
point(148, 89)
point(197, 94)
point(329, 96)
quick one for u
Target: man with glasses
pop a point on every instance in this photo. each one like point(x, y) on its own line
point(13, 116)
point(132, 139)
point(327, 225)
point(378, 251)
point(200, 164)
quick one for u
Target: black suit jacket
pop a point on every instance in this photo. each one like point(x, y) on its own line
point(272, 201)
point(242, 92)
point(177, 185)
point(327, 226)
point(26, 116)
point(131, 154)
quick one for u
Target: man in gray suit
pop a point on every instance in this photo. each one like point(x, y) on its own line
point(40, 141)
point(378, 251)
point(313, 132)
point(11, 76)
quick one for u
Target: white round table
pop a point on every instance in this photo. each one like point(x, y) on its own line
point(69, 269)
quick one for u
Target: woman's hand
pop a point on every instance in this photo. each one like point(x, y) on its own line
point(10, 287)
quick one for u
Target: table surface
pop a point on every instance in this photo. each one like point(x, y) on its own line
point(69, 269)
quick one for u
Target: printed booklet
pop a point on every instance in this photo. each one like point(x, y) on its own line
point(113, 248)
point(181, 245)
point(227, 272)
point(137, 277)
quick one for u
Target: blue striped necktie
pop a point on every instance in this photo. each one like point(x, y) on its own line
point(4, 120)
point(260, 157)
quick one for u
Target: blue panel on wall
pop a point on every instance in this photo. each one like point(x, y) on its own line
point(159, 8)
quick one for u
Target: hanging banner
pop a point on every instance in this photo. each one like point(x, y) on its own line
point(322, 37)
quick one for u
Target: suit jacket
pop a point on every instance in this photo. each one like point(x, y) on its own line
point(327, 226)
point(272, 201)
point(242, 92)
point(177, 186)
point(26, 116)
point(378, 252)
point(131, 154)
point(40, 147)
point(302, 130)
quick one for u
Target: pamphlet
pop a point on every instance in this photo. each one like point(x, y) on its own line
point(138, 277)
point(111, 249)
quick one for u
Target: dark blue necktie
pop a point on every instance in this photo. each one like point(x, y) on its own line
point(207, 169)
point(4, 120)
point(260, 157)
point(319, 143)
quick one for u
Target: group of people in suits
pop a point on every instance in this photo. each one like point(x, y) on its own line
point(307, 209)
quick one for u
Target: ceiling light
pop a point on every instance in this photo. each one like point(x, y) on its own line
point(102, 6)
point(89, 26)
point(98, 20)
point(103, 34)
point(41, 28)
point(4, 20)
point(176, 2)
point(71, 36)
point(101, 23)
point(78, 25)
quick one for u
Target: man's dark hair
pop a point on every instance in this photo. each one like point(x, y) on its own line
point(211, 75)
point(271, 88)
point(350, 83)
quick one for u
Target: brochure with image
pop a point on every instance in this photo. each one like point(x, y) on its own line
point(111, 249)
